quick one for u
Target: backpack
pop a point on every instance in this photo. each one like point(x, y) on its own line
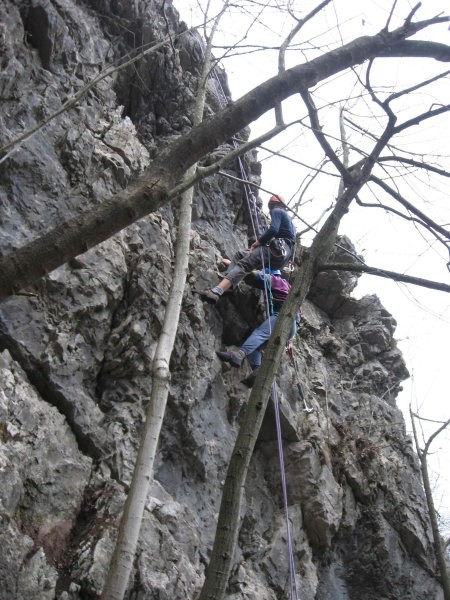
point(279, 287)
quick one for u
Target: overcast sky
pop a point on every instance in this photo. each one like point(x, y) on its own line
point(423, 316)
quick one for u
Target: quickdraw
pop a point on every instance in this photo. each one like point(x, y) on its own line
point(306, 408)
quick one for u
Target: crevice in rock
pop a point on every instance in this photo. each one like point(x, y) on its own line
point(50, 393)
point(118, 315)
point(100, 385)
point(88, 525)
point(36, 25)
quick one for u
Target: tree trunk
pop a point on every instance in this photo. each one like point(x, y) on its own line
point(439, 546)
point(225, 541)
point(130, 525)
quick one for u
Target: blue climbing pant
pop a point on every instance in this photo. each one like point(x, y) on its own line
point(257, 340)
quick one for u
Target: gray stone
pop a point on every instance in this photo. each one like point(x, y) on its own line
point(77, 351)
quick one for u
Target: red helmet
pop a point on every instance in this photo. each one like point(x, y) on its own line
point(276, 199)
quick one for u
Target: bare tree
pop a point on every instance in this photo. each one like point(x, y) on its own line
point(422, 453)
point(128, 534)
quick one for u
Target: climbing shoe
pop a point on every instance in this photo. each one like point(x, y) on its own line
point(250, 379)
point(234, 358)
point(209, 296)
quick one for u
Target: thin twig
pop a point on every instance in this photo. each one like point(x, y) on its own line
point(422, 216)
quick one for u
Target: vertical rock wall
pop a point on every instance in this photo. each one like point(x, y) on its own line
point(76, 352)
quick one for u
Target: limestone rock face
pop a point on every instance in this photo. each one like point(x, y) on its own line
point(76, 352)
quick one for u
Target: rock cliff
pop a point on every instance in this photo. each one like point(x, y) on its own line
point(76, 352)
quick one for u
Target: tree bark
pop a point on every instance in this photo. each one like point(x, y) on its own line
point(26, 265)
point(130, 525)
point(439, 547)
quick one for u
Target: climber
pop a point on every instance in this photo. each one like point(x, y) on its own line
point(273, 249)
point(278, 289)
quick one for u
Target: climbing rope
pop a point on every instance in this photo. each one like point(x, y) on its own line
point(250, 199)
point(292, 575)
point(292, 572)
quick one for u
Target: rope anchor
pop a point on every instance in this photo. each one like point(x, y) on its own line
point(306, 408)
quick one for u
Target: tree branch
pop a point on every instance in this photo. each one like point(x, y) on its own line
point(353, 268)
point(388, 209)
point(418, 86)
point(437, 540)
point(317, 130)
point(419, 118)
point(415, 163)
point(416, 49)
point(433, 436)
point(415, 211)
point(297, 162)
point(285, 45)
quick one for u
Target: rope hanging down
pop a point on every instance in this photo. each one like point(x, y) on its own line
point(254, 211)
point(292, 572)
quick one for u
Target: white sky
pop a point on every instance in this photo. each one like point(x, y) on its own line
point(423, 316)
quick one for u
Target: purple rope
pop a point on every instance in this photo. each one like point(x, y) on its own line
point(292, 577)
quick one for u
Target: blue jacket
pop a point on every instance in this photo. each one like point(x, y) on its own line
point(281, 226)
